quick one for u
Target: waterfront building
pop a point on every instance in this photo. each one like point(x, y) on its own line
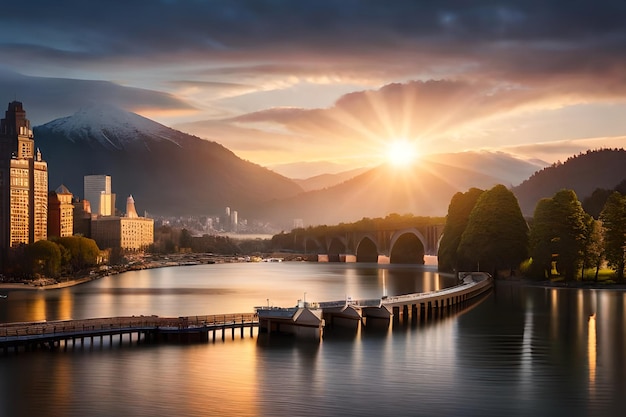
point(23, 182)
point(130, 232)
point(97, 190)
point(60, 212)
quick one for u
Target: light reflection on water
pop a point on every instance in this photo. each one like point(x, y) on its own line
point(522, 351)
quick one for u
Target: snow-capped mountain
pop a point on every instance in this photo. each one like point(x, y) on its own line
point(168, 172)
point(112, 128)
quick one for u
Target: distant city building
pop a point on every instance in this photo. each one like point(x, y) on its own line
point(97, 190)
point(23, 182)
point(298, 223)
point(60, 212)
point(82, 217)
point(234, 220)
point(130, 233)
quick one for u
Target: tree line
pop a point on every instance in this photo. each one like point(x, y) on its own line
point(52, 258)
point(486, 230)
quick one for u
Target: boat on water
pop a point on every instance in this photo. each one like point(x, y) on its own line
point(4, 296)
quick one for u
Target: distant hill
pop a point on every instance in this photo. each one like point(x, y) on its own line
point(167, 172)
point(319, 182)
point(423, 190)
point(584, 173)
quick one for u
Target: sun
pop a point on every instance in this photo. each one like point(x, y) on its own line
point(401, 153)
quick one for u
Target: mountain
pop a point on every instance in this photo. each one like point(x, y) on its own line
point(167, 172)
point(425, 189)
point(604, 168)
point(319, 182)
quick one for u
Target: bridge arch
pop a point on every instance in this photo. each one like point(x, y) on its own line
point(367, 250)
point(407, 246)
point(336, 247)
point(312, 245)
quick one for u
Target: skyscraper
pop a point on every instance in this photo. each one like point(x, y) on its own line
point(23, 182)
point(98, 193)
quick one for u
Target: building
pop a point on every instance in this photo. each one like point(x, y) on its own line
point(129, 233)
point(97, 190)
point(23, 182)
point(60, 212)
point(82, 217)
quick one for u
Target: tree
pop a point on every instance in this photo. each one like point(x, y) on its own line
point(613, 218)
point(594, 246)
point(559, 233)
point(43, 258)
point(542, 239)
point(186, 240)
point(496, 236)
point(84, 252)
point(570, 232)
point(459, 211)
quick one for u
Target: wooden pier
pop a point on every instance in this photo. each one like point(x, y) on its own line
point(139, 329)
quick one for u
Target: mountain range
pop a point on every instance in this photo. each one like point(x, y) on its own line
point(171, 173)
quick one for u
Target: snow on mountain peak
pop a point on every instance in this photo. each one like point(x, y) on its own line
point(110, 126)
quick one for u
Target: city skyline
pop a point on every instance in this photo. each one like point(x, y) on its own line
point(332, 85)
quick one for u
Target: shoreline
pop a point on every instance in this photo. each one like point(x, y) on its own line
point(166, 262)
point(160, 262)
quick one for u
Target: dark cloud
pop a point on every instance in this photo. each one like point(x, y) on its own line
point(539, 35)
point(50, 98)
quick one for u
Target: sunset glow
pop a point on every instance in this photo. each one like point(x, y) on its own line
point(401, 153)
point(326, 97)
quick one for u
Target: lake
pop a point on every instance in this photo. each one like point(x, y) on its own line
point(521, 351)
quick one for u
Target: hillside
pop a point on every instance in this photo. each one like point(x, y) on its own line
point(319, 182)
point(423, 190)
point(168, 172)
point(583, 173)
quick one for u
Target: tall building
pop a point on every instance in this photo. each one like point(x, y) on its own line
point(23, 182)
point(97, 190)
point(60, 212)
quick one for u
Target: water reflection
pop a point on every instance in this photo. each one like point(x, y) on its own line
point(521, 351)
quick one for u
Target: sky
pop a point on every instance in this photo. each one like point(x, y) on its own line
point(306, 87)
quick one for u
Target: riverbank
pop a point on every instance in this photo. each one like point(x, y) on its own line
point(137, 263)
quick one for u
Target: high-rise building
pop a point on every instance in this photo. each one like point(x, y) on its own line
point(98, 192)
point(60, 212)
point(23, 182)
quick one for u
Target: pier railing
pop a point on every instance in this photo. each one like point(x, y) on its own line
point(11, 330)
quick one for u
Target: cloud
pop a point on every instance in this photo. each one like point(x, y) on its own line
point(48, 98)
point(435, 71)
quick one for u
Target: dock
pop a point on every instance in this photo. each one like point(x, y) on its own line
point(305, 320)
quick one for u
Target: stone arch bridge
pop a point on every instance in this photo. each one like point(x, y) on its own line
point(402, 245)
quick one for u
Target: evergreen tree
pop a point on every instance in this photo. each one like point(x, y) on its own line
point(613, 218)
point(594, 246)
point(496, 236)
point(459, 211)
point(542, 239)
point(570, 232)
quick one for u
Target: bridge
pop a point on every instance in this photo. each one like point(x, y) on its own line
point(402, 245)
point(306, 319)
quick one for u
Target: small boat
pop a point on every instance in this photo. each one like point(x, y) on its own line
point(4, 296)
